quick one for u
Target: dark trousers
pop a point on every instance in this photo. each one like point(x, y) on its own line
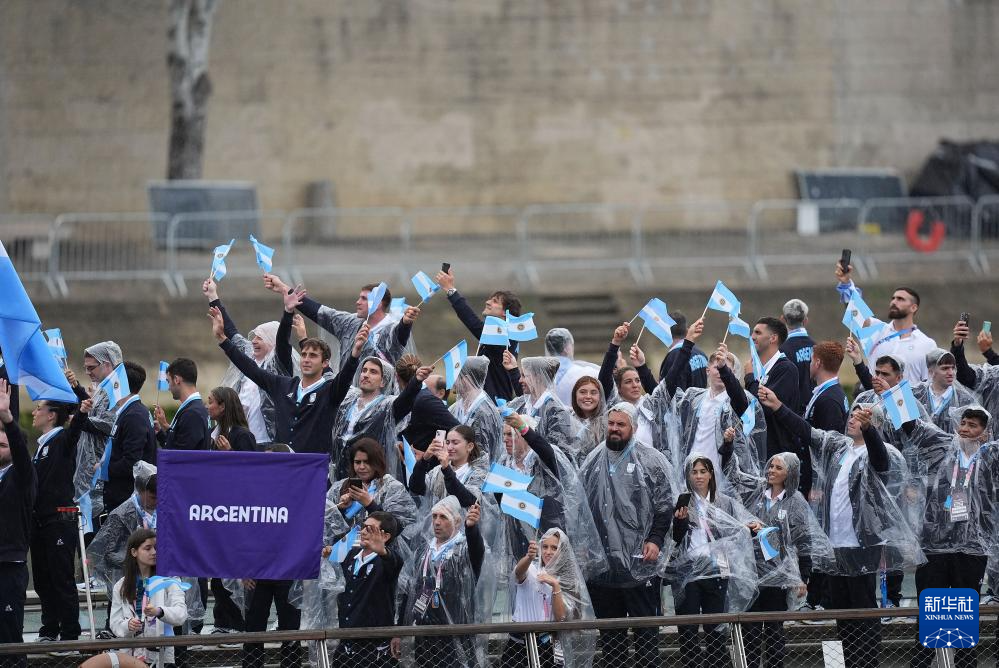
point(893, 582)
point(362, 654)
point(226, 614)
point(263, 595)
point(818, 592)
point(13, 592)
point(53, 554)
point(949, 570)
point(861, 638)
point(515, 653)
point(771, 599)
point(644, 600)
point(706, 597)
point(446, 652)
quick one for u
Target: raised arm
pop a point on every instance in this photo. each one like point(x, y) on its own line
point(263, 378)
point(856, 356)
point(796, 424)
point(282, 347)
point(606, 373)
point(637, 358)
point(537, 442)
point(403, 404)
point(210, 290)
point(965, 374)
point(20, 459)
point(469, 318)
point(736, 395)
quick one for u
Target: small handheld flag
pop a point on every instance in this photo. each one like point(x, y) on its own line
point(757, 363)
point(86, 512)
point(425, 286)
point(657, 320)
point(103, 467)
point(504, 410)
point(868, 337)
point(723, 299)
point(218, 260)
point(158, 583)
point(503, 480)
point(398, 307)
point(769, 551)
point(375, 297)
point(162, 384)
point(523, 506)
point(343, 546)
point(739, 327)
point(56, 345)
point(115, 385)
point(521, 327)
point(749, 417)
point(265, 254)
point(408, 458)
point(454, 359)
point(857, 313)
point(900, 404)
point(494, 332)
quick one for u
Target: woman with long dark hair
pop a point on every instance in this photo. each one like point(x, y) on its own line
point(231, 430)
point(367, 489)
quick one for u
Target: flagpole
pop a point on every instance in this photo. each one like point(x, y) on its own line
point(635, 318)
point(705, 313)
point(420, 304)
point(640, 335)
point(724, 338)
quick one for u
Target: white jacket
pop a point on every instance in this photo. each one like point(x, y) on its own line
point(170, 599)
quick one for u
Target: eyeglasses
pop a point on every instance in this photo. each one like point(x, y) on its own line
point(89, 368)
point(370, 527)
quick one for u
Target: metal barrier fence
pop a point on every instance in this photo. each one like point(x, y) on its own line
point(833, 639)
point(530, 245)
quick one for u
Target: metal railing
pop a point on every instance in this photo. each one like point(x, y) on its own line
point(533, 245)
point(832, 638)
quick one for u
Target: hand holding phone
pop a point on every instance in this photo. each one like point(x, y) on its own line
point(844, 260)
point(445, 267)
point(355, 482)
point(965, 318)
point(683, 501)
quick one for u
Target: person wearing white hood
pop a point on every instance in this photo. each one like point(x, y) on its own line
point(560, 344)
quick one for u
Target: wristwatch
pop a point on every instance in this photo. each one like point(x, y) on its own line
point(451, 291)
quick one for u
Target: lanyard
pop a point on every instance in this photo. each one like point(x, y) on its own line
point(4, 470)
point(540, 403)
point(624, 455)
point(944, 400)
point(818, 392)
point(43, 442)
point(194, 397)
point(957, 466)
point(148, 520)
point(801, 332)
point(894, 335)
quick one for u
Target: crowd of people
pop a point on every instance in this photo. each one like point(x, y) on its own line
point(755, 486)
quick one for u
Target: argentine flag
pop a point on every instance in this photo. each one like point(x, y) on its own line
point(56, 345)
point(868, 337)
point(900, 404)
point(343, 546)
point(425, 286)
point(523, 506)
point(375, 298)
point(739, 327)
point(857, 313)
point(769, 551)
point(218, 260)
point(494, 332)
point(757, 363)
point(265, 254)
point(504, 410)
point(521, 327)
point(722, 299)
point(162, 384)
point(27, 355)
point(398, 307)
point(502, 480)
point(657, 320)
point(86, 512)
point(454, 359)
point(409, 458)
point(158, 583)
point(749, 418)
point(115, 385)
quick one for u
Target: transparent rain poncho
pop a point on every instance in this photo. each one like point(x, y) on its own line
point(626, 489)
point(382, 341)
point(474, 408)
point(589, 432)
point(375, 420)
point(389, 494)
point(794, 533)
point(717, 544)
point(235, 379)
point(982, 379)
point(940, 410)
point(576, 646)
point(889, 434)
point(955, 490)
point(439, 585)
point(90, 447)
point(878, 523)
point(542, 403)
point(564, 505)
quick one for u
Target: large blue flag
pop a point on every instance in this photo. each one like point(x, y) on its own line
point(265, 522)
point(26, 353)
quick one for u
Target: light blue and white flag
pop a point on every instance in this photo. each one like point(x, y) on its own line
point(900, 404)
point(343, 546)
point(425, 286)
point(757, 363)
point(56, 345)
point(162, 384)
point(26, 354)
point(521, 327)
point(158, 583)
point(769, 551)
point(749, 418)
point(218, 260)
point(265, 254)
point(723, 299)
point(408, 458)
point(857, 313)
point(398, 307)
point(523, 506)
point(868, 337)
point(86, 512)
point(103, 470)
point(739, 327)
point(655, 315)
point(504, 410)
point(494, 332)
point(375, 297)
point(504, 480)
point(115, 385)
point(454, 359)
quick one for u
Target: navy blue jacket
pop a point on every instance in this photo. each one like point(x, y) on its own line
point(499, 382)
point(693, 374)
point(190, 429)
point(17, 498)
point(799, 351)
point(132, 439)
point(782, 381)
point(428, 415)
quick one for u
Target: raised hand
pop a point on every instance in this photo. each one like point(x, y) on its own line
point(218, 325)
point(293, 299)
point(423, 373)
point(984, 341)
point(844, 276)
point(473, 515)
point(410, 315)
point(71, 378)
point(620, 333)
point(695, 330)
point(275, 284)
point(509, 361)
point(5, 415)
point(210, 290)
point(298, 326)
point(445, 280)
point(853, 351)
point(864, 416)
point(768, 398)
point(961, 332)
point(532, 550)
point(360, 339)
point(636, 356)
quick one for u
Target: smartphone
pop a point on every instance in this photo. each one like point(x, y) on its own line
point(355, 482)
point(683, 500)
point(987, 326)
point(441, 435)
point(844, 260)
point(965, 318)
point(445, 267)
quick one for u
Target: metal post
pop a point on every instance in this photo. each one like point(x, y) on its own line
point(86, 573)
point(533, 658)
point(945, 657)
point(738, 647)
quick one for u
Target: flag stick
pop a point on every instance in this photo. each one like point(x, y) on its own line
point(477, 349)
point(724, 338)
point(538, 541)
point(635, 318)
point(640, 335)
point(705, 312)
point(420, 304)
